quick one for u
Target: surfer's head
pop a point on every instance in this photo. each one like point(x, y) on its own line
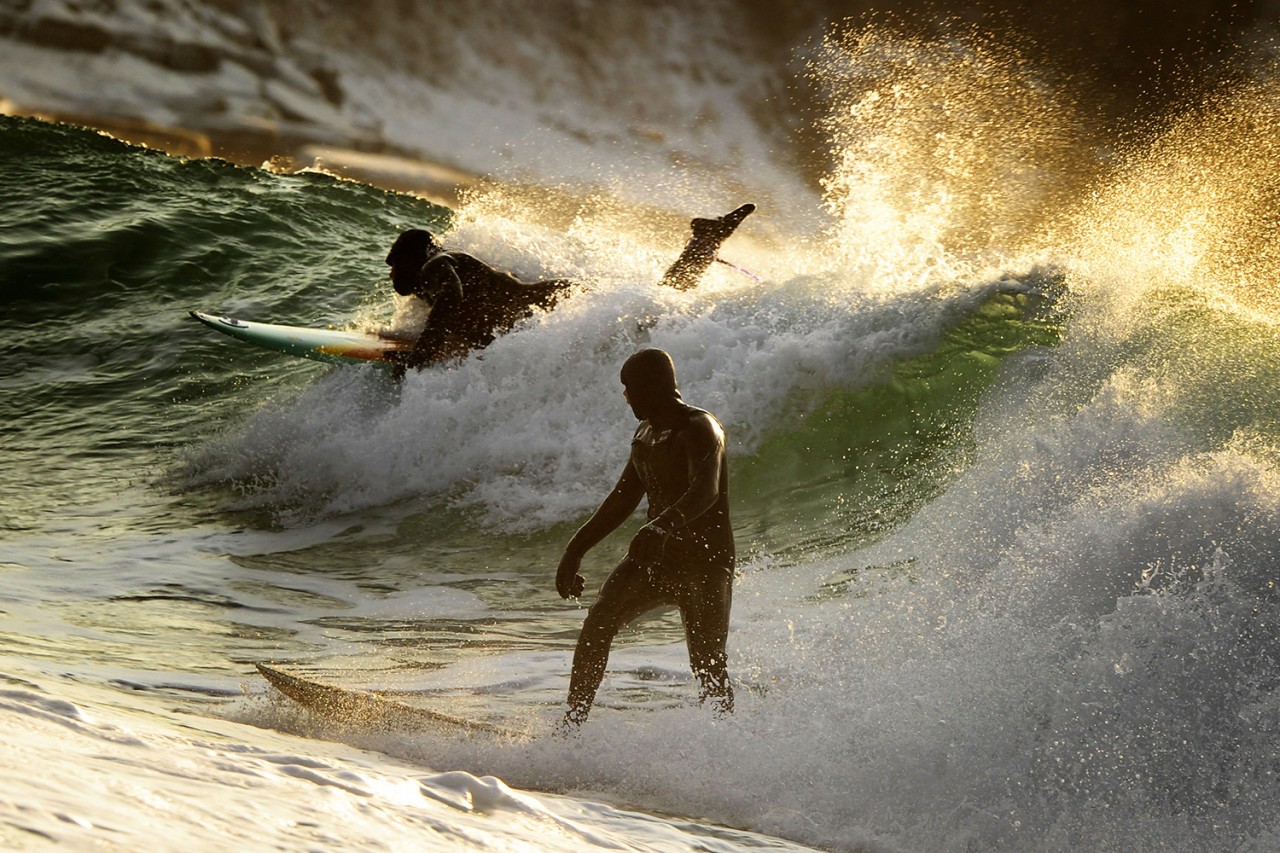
point(408, 253)
point(649, 381)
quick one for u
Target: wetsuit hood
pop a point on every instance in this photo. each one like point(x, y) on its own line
point(408, 253)
point(649, 378)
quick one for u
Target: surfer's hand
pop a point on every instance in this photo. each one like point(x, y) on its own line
point(568, 582)
point(649, 543)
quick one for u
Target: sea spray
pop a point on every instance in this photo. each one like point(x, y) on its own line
point(1060, 636)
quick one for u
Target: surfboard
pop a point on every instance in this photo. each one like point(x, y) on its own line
point(369, 709)
point(335, 346)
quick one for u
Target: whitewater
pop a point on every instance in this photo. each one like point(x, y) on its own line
point(999, 387)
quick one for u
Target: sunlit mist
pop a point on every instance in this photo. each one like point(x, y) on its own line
point(1196, 207)
point(944, 148)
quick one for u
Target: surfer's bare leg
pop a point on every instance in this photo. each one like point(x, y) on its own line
point(700, 251)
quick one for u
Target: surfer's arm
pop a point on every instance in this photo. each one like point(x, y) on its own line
point(427, 348)
point(615, 509)
point(442, 290)
point(440, 277)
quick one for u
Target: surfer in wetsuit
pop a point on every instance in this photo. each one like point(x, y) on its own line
point(683, 556)
point(471, 302)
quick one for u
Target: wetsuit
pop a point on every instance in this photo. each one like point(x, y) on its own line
point(471, 303)
point(684, 473)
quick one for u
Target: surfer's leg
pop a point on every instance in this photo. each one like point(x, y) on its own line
point(626, 594)
point(704, 606)
point(701, 249)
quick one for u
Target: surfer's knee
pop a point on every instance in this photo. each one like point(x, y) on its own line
point(598, 628)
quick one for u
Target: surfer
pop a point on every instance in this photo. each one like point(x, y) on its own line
point(683, 556)
point(471, 302)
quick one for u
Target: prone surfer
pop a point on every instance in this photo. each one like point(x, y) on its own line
point(471, 302)
point(683, 556)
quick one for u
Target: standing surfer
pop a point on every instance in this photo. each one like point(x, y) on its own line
point(683, 556)
point(471, 302)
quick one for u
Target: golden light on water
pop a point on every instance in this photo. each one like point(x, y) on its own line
point(943, 148)
point(955, 151)
point(1197, 207)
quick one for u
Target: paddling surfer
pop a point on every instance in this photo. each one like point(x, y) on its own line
point(683, 556)
point(471, 302)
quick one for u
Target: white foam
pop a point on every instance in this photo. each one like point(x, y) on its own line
point(533, 428)
point(122, 777)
